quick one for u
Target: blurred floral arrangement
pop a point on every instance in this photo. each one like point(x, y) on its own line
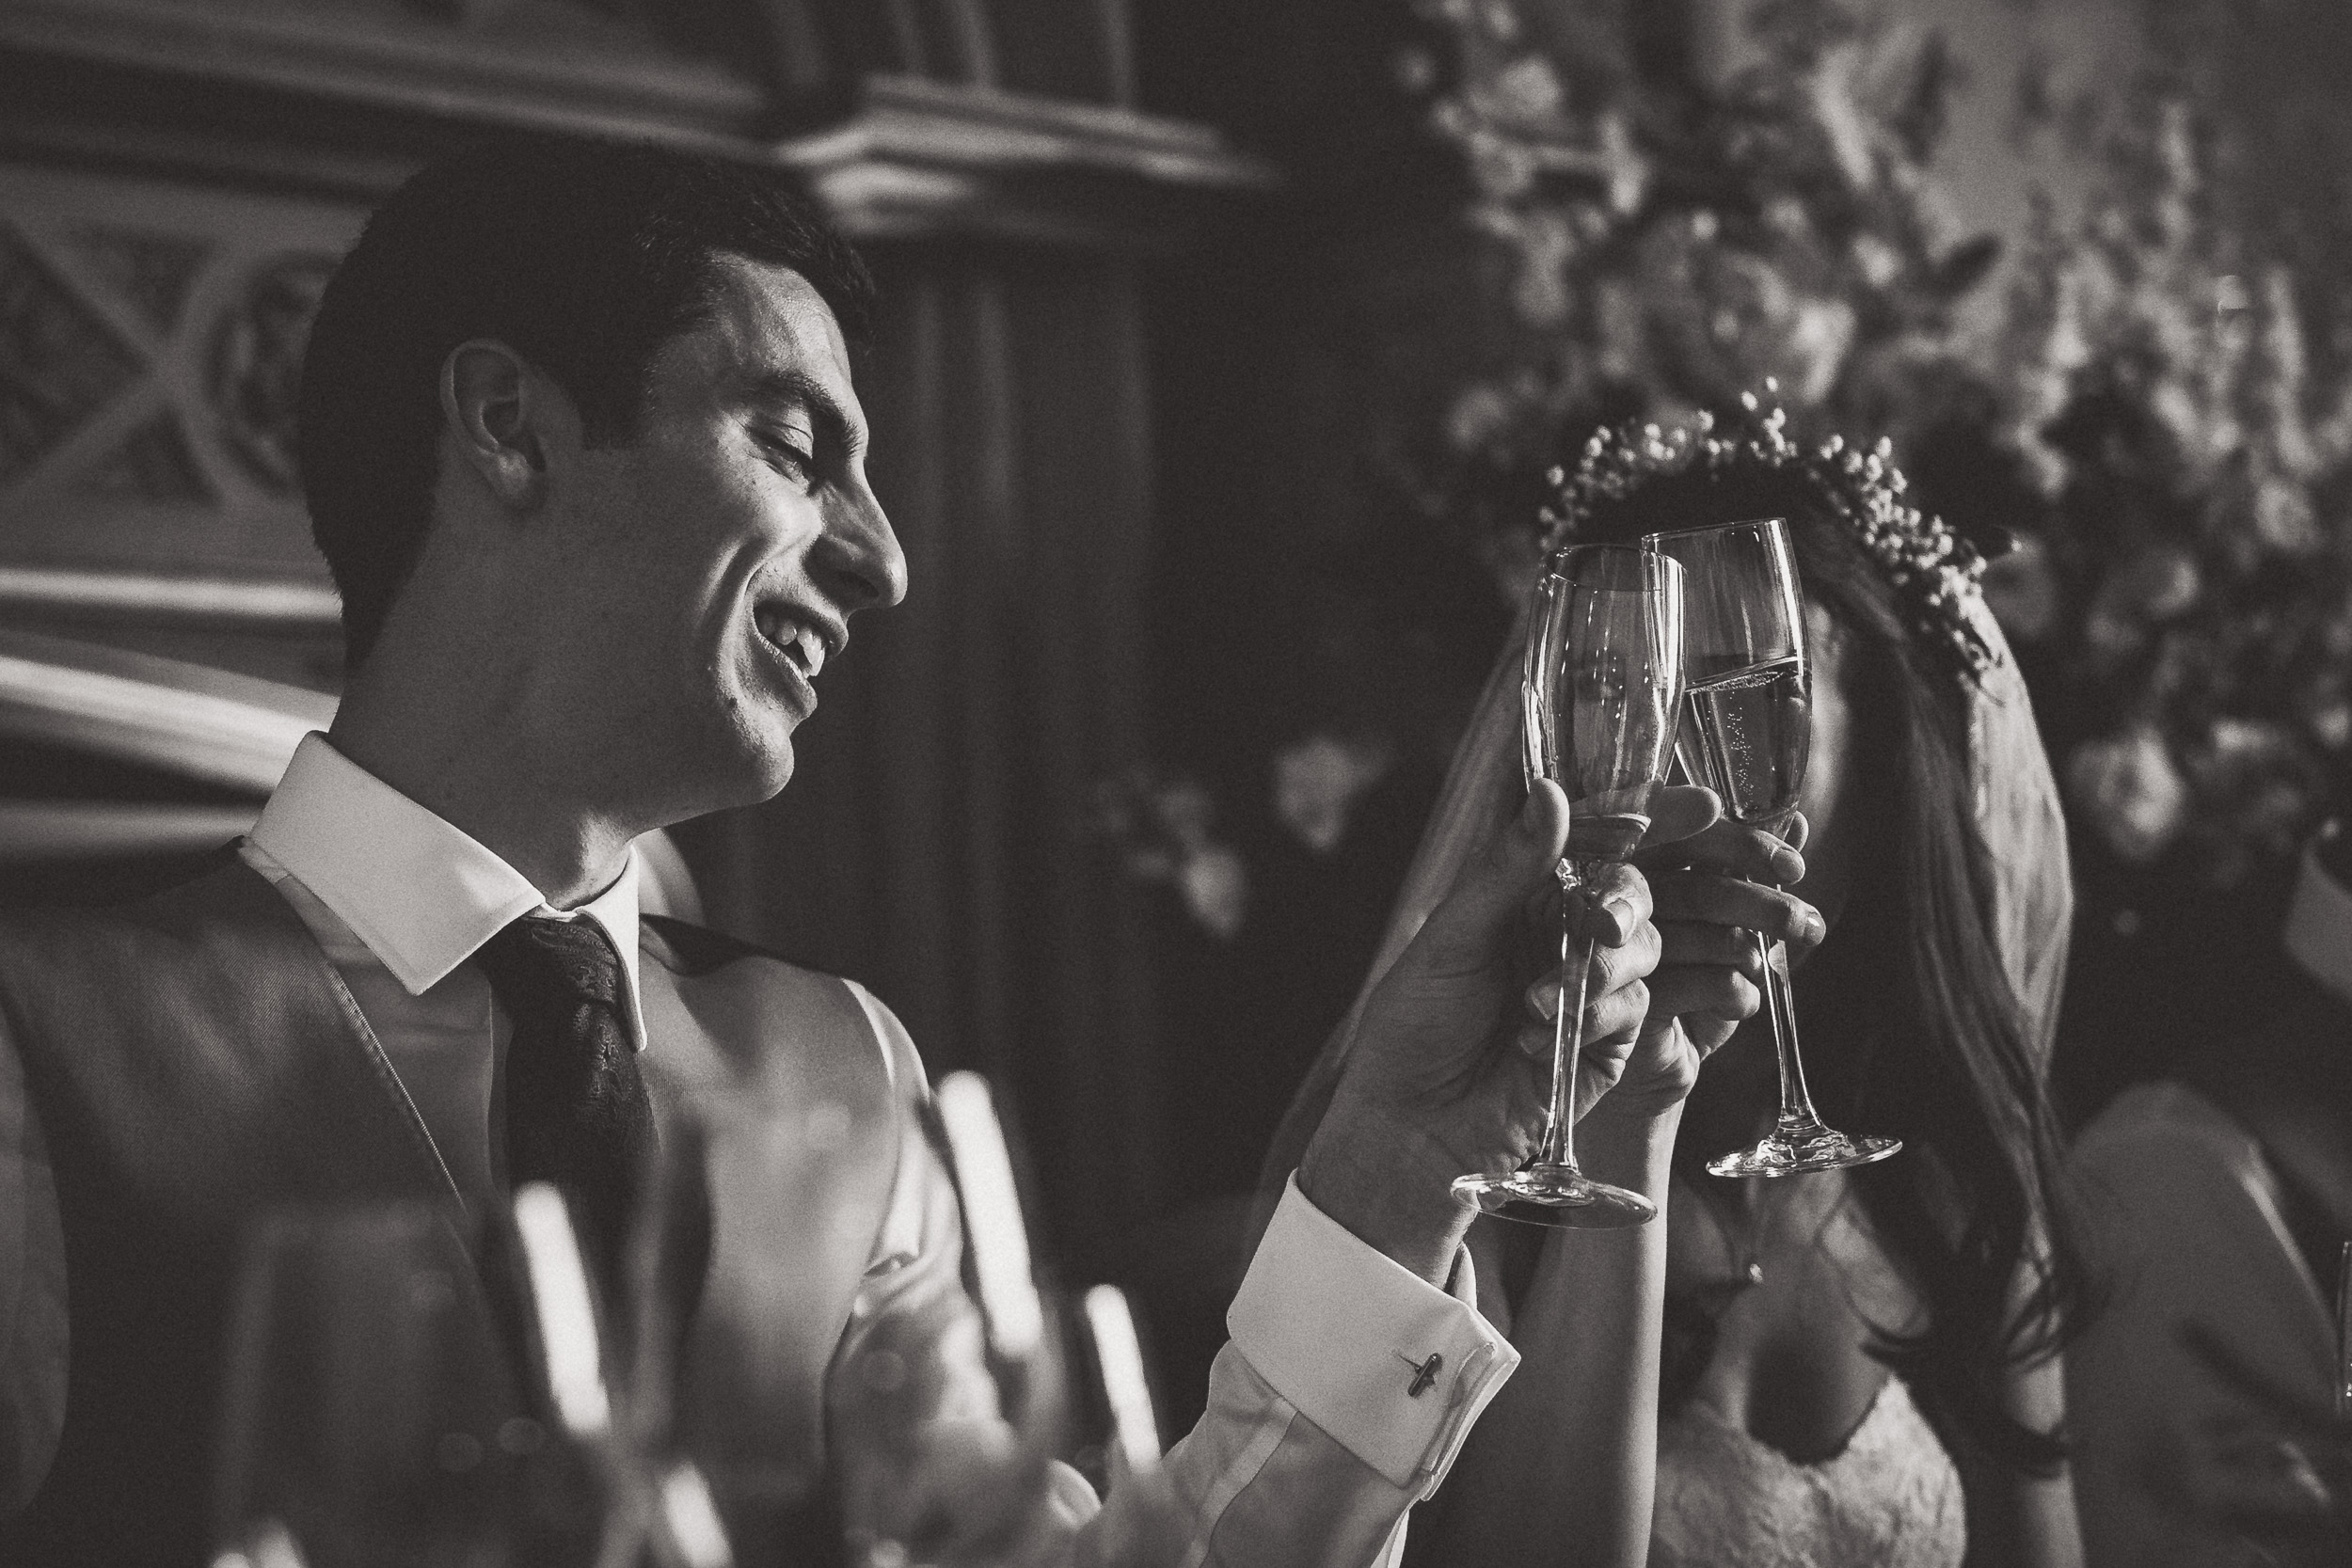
point(2150, 430)
point(2190, 583)
point(1668, 243)
point(1674, 239)
point(1164, 830)
point(2152, 437)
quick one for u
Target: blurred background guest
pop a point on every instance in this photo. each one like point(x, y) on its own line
point(2222, 1198)
point(2281, 1485)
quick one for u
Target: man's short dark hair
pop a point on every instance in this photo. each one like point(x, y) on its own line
point(584, 259)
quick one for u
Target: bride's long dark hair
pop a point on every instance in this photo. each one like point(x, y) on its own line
point(1907, 1008)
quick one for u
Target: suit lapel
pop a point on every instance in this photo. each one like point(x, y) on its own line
point(2291, 1088)
point(2300, 1121)
point(337, 1093)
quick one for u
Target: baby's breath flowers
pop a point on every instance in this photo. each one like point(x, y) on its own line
point(1936, 575)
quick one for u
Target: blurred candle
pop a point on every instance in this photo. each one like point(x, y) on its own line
point(567, 1313)
point(991, 1214)
point(1117, 1352)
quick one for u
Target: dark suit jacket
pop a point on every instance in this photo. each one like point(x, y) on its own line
point(2288, 1081)
point(195, 1060)
point(2215, 1203)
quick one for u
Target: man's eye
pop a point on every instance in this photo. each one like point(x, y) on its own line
point(795, 461)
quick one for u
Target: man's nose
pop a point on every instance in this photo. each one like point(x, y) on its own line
point(862, 554)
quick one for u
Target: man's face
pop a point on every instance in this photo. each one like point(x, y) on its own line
point(721, 549)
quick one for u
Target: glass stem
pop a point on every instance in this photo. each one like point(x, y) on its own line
point(1567, 1028)
point(1796, 1105)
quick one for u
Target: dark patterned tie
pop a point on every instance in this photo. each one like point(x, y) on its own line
point(577, 1111)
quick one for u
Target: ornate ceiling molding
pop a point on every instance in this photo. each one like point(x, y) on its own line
point(541, 82)
point(917, 156)
point(349, 100)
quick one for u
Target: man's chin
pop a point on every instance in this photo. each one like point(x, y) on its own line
point(770, 767)
point(780, 771)
point(748, 772)
point(742, 751)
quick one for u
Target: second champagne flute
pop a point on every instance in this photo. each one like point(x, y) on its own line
point(1747, 736)
point(1603, 690)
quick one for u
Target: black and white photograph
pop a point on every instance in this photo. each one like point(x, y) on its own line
point(1175, 783)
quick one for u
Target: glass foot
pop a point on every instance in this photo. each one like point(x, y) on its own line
point(1788, 1151)
point(1556, 1195)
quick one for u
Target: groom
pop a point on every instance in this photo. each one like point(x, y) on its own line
point(583, 449)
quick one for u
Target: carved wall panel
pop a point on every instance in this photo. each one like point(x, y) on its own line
point(151, 343)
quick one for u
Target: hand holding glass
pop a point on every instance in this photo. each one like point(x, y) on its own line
point(1746, 735)
point(1602, 689)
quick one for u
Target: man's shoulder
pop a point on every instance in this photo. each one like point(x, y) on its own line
point(742, 991)
point(216, 894)
point(691, 950)
point(691, 953)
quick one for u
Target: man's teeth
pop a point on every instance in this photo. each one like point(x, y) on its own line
point(798, 643)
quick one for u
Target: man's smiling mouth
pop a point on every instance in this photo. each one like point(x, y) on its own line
point(803, 642)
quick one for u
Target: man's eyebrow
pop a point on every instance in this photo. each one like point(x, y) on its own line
point(796, 388)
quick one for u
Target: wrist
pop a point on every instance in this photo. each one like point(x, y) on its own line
point(1391, 1190)
point(1630, 1146)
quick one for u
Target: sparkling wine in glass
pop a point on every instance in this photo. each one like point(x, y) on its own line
point(1602, 691)
point(1746, 735)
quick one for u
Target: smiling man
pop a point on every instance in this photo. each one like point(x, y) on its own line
point(583, 449)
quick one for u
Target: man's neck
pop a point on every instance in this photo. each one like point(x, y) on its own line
point(478, 774)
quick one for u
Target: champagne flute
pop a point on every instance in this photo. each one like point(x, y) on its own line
point(367, 1419)
point(657, 1507)
point(969, 1479)
point(1602, 689)
point(2344, 1333)
point(1746, 735)
point(1125, 1388)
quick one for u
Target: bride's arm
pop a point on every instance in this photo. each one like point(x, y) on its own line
point(2049, 1535)
point(1561, 1468)
point(2025, 1521)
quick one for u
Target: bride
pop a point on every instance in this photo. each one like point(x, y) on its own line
point(1858, 1367)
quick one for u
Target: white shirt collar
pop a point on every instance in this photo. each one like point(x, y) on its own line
point(2318, 934)
point(419, 892)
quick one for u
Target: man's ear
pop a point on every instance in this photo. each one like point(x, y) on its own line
point(506, 418)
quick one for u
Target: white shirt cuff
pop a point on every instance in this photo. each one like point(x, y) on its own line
point(1390, 1367)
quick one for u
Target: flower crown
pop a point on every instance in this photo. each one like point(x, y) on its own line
point(1934, 571)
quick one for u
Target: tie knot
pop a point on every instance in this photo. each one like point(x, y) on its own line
point(540, 962)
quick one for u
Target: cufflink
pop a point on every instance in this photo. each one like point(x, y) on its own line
point(1424, 1373)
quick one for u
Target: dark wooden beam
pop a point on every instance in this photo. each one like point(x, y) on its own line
point(328, 104)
